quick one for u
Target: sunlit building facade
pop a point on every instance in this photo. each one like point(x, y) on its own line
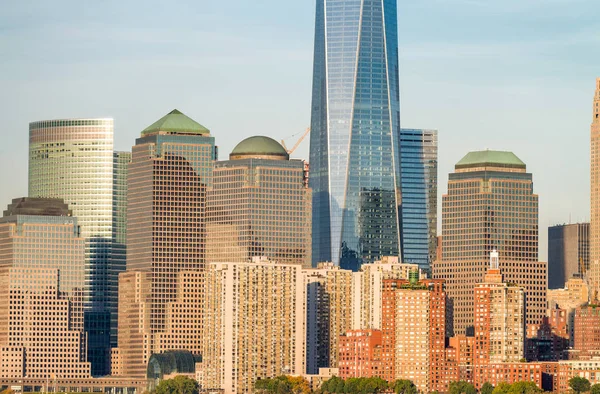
point(595, 192)
point(355, 133)
point(259, 205)
point(419, 167)
point(42, 276)
point(72, 159)
point(490, 205)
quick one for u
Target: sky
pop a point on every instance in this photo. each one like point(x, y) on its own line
point(514, 75)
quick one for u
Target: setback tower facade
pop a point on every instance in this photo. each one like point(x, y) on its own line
point(355, 127)
point(490, 205)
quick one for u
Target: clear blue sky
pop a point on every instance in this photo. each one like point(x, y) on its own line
point(514, 75)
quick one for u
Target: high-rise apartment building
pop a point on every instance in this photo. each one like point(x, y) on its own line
point(568, 253)
point(72, 159)
point(360, 354)
point(259, 205)
point(42, 271)
point(169, 175)
point(253, 324)
point(355, 133)
point(414, 331)
point(586, 343)
point(490, 205)
point(419, 165)
point(595, 192)
point(499, 320)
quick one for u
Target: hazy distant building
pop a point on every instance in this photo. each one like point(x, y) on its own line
point(42, 275)
point(568, 253)
point(419, 164)
point(72, 159)
point(595, 191)
point(355, 133)
point(259, 205)
point(253, 324)
point(499, 320)
point(490, 205)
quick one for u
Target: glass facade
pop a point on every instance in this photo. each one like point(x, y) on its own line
point(354, 147)
point(72, 159)
point(419, 159)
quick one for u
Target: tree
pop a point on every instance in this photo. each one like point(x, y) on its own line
point(334, 384)
point(595, 389)
point(461, 387)
point(524, 388)
point(487, 388)
point(404, 386)
point(501, 388)
point(579, 384)
point(178, 385)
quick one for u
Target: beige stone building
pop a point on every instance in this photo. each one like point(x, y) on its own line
point(595, 192)
point(159, 294)
point(574, 295)
point(253, 324)
point(499, 320)
point(490, 205)
point(259, 205)
point(42, 261)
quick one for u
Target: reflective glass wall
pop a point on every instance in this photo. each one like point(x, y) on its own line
point(354, 157)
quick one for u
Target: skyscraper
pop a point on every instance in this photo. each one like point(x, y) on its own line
point(169, 175)
point(419, 158)
point(259, 205)
point(355, 133)
point(490, 205)
point(568, 253)
point(595, 193)
point(42, 262)
point(72, 159)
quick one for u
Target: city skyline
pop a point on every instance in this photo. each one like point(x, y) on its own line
point(479, 61)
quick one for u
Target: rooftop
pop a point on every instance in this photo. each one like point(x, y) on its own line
point(37, 206)
point(175, 122)
point(259, 147)
point(493, 158)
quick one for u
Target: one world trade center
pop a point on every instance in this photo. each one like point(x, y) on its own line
point(355, 132)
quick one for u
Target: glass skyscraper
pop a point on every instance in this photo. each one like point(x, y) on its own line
point(355, 127)
point(72, 159)
point(419, 158)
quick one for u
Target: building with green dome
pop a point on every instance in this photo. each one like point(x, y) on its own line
point(259, 205)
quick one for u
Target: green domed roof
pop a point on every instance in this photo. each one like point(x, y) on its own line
point(259, 146)
point(176, 122)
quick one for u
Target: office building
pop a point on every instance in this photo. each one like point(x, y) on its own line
point(169, 175)
point(253, 328)
point(119, 231)
point(568, 253)
point(595, 192)
point(490, 205)
point(499, 320)
point(419, 165)
point(355, 133)
point(72, 159)
point(42, 272)
point(259, 205)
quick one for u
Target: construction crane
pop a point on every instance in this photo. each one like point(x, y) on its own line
point(304, 134)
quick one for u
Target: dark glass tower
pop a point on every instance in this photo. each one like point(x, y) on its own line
point(419, 157)
point(355, 127)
